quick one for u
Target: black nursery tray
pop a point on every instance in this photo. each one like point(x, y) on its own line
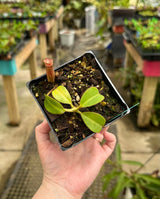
point(78, 75)
point(146, 54)
point(39, 19)
point(122, 12)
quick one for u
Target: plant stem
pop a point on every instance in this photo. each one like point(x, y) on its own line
point(50, 91)
point(73, 109)
point(137, 3)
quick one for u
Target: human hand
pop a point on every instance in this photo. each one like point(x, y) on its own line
point(71, 172)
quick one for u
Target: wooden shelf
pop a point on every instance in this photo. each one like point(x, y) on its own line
point(150, 82)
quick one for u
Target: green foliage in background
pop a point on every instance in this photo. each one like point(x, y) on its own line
point(156, 108)
point(133, 81)
point(30, 9)
point(13, 32)
point(147, 32)
point(76, 8)
point(145, 186)
point(102, 7)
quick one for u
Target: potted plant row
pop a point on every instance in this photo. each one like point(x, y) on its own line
point(13, 35)
point(144, 34)
point(78, 101)
point(33, 10)
point(119, 11)
point(146, 12)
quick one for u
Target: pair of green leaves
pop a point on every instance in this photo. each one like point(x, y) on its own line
point(91, 96)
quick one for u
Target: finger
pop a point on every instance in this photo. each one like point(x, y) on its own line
point(109, 144)
point(99, 136)
point(104, 129)
point(42, 132)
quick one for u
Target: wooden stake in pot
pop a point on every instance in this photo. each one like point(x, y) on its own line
point(49, 69)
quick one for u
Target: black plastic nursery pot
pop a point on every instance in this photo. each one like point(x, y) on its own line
point(78, 75)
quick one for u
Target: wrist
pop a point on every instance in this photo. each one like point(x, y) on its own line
point(49, 190)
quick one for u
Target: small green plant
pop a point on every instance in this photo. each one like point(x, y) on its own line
point(145, 186)
point(13, 32)
point(90, 97)
point(146, 33)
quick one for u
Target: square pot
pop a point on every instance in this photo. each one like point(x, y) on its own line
point(78, 75)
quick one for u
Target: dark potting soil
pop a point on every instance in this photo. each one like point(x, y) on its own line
point(77, 76)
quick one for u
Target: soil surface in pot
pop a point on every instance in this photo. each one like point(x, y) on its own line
point(77, 76)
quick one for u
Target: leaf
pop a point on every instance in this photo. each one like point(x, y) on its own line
point(149, 179)
point(107, 178)
point(140, 192)
point(155, 120)
point(52, 106)
point(93, 121)
point(132, 162)
point(114, 193)
point(118, 153)
point(110, 162)
point(152, 187)
point(91, 97)
point(62, 95)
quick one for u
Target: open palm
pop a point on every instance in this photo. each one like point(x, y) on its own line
point(76, 168)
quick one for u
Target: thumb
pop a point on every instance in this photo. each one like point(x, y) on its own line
point(42, 132)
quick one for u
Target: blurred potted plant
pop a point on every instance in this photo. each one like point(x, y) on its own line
point(74, 13)
point(131, 184)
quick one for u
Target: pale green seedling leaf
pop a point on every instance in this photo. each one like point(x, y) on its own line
point(91, 97)
point(93, 121)
point(52, 106)
point(62, 95)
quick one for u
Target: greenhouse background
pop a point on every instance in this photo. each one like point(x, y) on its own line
point(123, 38)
